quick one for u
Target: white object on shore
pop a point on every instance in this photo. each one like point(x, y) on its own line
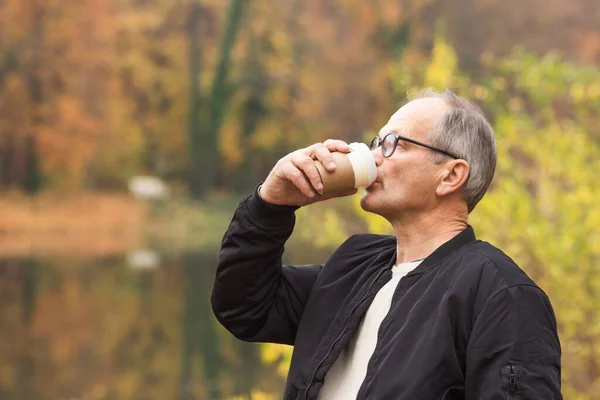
point(143, 259)
point(148, 188)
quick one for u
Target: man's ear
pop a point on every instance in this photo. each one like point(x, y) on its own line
point(452, 177)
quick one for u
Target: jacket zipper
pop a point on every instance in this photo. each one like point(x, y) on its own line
point(339, 337)
point(512, 383)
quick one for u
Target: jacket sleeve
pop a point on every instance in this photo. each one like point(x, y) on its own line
point(514, 351)
point(254, 296)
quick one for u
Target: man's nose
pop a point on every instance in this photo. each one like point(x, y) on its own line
point(377, 156)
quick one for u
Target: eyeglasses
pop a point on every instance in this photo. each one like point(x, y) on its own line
point(390, 142)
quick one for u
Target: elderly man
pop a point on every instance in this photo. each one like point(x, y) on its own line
point(429, 313)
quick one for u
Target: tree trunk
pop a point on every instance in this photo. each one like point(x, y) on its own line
point(254, 109)
point(31, 179)
point(204, 132)
point(194, 126)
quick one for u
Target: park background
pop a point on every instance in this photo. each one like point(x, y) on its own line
point(130, 130)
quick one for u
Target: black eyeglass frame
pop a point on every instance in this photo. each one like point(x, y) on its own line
point(377, 142)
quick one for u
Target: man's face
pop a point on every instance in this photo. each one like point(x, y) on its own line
point(406, 181)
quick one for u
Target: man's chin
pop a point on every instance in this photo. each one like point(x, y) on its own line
point(373, 203)
point(367, 202)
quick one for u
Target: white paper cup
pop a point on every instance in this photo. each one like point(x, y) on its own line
point(355, 169)
point(363, 164)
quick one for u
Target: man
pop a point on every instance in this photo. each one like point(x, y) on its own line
point(430, 313)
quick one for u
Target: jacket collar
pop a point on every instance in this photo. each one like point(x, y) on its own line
point(463, 238)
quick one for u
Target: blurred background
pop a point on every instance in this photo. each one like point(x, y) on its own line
point(130, 130)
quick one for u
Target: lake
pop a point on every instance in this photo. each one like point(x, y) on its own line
point(132, 326)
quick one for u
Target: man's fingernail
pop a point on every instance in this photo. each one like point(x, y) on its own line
point(332, 165)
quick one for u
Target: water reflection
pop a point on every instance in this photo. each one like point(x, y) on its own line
point(97, 329)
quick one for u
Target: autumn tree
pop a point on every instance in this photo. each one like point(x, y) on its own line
point(544, 193)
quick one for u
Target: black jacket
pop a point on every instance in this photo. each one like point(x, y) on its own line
point(467, 323)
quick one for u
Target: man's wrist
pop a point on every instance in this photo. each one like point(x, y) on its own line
point(262, 195)
point(268, 213)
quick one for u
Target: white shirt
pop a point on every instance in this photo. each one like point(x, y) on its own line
point(347, 374)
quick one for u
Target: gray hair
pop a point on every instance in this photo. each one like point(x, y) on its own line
point(465, 132)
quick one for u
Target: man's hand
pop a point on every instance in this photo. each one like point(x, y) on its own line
point(294, 180)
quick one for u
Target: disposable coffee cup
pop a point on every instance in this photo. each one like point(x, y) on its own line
point(355, 169)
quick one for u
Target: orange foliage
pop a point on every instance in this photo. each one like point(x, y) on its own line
point(57, 57)
point(114, 78)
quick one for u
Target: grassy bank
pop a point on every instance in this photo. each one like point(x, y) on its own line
point(75, 224)
point(103, 224)
point(111, 224)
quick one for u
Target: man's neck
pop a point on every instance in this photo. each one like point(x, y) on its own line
point(419, 237)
